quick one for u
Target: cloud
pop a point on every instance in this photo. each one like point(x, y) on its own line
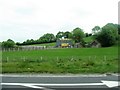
point(24, 19)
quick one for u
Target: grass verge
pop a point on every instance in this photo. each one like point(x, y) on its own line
point(70, 60)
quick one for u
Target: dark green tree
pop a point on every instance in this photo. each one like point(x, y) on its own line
point(86, 35)
point(118, 29)
point(95, 29)
point(78, 34)
point(60, 35)
point(8, 44)
point(47, 38)
point(67, 34)
point(108, 35)
point(28, 42)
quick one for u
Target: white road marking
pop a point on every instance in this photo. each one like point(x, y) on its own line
point(38, 87)
point(26, 85)
point(110, 84)
point(53, 75)
point(44, 84)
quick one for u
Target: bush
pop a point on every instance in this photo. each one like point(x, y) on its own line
point(107, 36)
point(8, 44)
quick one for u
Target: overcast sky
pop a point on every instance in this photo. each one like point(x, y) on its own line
point(29, 19)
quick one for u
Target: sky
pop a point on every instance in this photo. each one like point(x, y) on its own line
point(30, 19)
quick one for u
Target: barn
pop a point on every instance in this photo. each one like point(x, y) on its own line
point(64, 42)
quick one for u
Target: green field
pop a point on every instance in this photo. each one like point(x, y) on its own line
point(69, 60)
point(88, 39)
point(45, 44)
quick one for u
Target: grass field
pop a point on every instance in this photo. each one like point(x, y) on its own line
point(88, 39)
point(69, 60)
point(45, 44)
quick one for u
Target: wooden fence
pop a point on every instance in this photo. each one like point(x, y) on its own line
point(25, 48)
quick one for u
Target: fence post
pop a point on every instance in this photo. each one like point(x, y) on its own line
point(95, 57)
point(8, 49)
point(89, 57)
point(105, 58)
point(18, 49)
point(41, 58)
point(72, 59)
point(24, 58)
point(7, 59)
point(57, 58)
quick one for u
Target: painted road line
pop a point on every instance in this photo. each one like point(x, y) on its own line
point(52, 75)
point(36, 87)
point(26, 85)
point(109, 84)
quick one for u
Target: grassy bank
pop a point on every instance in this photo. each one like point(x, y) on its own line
point(73, 60)
point(45, 44)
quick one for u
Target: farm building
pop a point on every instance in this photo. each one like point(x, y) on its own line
point(78, 45)
point(64, 42)
point(95, 44)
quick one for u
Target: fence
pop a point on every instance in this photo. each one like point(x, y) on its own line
point(23, 48)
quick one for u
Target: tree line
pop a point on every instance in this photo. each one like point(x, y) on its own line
point(106, 36)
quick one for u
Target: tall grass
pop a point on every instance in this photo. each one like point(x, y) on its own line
point(71, 60)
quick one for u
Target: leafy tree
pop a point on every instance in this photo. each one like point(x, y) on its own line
point(95, 29)
point(28, 42)
point(47, 38)
point(86, 35)
point(67, 34)
point(8, 44)
point(90, 34)
point(78, 34)
point(60, 35)
point(108, 35)
point(118, 29)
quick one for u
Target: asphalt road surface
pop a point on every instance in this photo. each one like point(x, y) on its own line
point(59, 82)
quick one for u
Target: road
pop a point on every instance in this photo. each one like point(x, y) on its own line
point(59, 82)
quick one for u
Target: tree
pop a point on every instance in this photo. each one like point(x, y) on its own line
point(28, 42)
point(118, 29)
point(47, 38)
point(8, 44)
point(108, 35)
point(18, 43)
point(95, 29)
point(60, 35)
point(78, 34)
point(67, 34)
point(86, 35)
